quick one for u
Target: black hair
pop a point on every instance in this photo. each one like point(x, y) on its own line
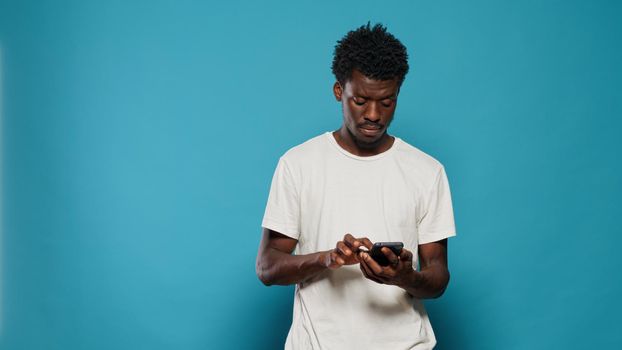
point(372, 51)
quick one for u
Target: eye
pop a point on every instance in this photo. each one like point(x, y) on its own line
point(387, 103)
point(358, 101)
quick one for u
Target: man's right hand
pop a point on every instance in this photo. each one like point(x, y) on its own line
point(346, 251)
point(276, 264)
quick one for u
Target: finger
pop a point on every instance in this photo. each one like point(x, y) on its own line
point(363, 248)
point(372, 264)
point(368, 273)
point(351, 242)
point(365, 268)
point(366, 242)
point(406, 255)
point(337, 259)
point(343, 249)
point(407, 258)
point(369, 276)
point(393, 259)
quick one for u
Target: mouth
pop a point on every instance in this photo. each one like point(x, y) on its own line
point(370, 130)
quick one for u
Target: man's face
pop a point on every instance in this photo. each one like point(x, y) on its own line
point(368, 106)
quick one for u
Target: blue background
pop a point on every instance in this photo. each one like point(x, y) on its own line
point(139, 140)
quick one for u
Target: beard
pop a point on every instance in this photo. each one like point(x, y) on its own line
point(366, 143)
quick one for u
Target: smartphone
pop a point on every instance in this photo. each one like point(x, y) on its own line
point(379, 256)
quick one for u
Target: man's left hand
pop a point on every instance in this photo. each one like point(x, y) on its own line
point(399, 272)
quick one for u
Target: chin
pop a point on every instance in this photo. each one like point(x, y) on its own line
point(367, 142)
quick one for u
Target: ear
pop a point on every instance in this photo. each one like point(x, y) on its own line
point(337, 90)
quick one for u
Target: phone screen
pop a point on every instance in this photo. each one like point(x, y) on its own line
point(379, 256)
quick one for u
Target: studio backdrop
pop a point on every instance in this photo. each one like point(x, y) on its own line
point(139, 138)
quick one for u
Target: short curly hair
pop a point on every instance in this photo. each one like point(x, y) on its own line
point(372, 51)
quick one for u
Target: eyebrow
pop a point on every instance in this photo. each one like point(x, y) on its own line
point(392, 97)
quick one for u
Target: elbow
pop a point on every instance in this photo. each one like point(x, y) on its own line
point(439, 294)
point(263, 274)
point(265, 279)
point(443, 286)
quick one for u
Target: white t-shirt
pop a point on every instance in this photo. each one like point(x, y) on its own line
point(319, 193)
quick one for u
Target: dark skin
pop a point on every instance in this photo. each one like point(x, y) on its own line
point(368, 106)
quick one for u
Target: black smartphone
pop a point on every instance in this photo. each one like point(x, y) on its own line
point(379, 256)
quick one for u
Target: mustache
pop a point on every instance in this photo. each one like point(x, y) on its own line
point(370, 125)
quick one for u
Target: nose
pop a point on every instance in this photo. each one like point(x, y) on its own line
point(372, 113)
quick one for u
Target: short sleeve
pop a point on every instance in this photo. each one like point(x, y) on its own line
point(437, 221)
point(283, 208)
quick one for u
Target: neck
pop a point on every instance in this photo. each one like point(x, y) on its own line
point(348, 142)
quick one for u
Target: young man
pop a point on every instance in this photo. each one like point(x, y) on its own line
point(334, 195)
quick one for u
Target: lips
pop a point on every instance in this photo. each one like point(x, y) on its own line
point(370, 131)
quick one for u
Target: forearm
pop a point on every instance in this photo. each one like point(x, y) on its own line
point(277, 267)
point(428, 283)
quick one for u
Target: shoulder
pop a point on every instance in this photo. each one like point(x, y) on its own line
point(306, 151)
point(416, 160)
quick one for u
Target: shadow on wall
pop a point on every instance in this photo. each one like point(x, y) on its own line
point(269, 316)
point(447, 324)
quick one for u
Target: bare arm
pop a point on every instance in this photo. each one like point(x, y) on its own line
point(433, 276)
point(429, 282)
point(276, 264)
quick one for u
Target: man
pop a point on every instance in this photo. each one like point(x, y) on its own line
point(334, 195)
